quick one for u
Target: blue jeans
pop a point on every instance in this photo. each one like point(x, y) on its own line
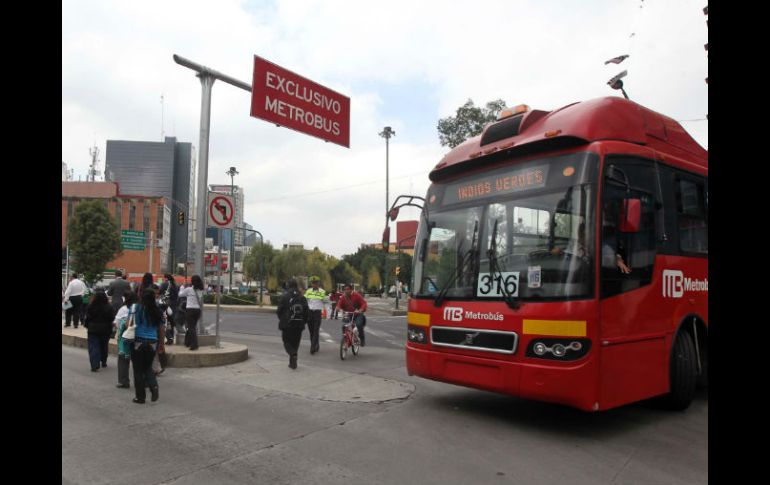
point(98, 346)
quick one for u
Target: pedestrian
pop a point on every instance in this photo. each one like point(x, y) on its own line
point(334, 297)
point(117, 290)
point(124, 345)
point(146, 283)
point(161, 359)
point(98, 321)
point(169, 292)
point(193, 310)
point(74, 294)
point(293, 314)
point(147, 319)
point(316, 297)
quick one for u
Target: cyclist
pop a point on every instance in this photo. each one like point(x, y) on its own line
point(352, 301)
point(316, 298)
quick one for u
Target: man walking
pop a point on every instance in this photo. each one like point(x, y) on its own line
point(117, 290)
point(74, 294)
point(316, 297)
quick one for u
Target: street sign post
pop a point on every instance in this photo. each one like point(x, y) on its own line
point(221, 211)
point(288, 99)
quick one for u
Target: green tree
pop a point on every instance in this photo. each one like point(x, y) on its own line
point(373, 281)
point(94, 239)
point(468, 122)
point(260, 252)
point(289, 264)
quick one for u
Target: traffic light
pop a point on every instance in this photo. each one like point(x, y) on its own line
point(180, 218)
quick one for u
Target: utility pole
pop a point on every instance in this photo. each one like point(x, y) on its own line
point(207, 77)
point(232, 173)
point(386, 133)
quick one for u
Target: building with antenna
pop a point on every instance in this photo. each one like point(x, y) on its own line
point(163, 169)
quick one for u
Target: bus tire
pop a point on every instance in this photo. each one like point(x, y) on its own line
point(682, 373)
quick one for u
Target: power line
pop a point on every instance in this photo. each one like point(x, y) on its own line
point(306, 194)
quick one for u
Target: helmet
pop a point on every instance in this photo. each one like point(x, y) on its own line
point(314, 279)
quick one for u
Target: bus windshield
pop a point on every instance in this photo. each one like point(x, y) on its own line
point(543, 247)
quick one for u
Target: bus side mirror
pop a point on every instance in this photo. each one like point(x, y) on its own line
point(393, 214)
point(386, 239)
point(632, 215)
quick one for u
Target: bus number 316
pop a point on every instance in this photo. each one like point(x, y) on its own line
point(503, 284)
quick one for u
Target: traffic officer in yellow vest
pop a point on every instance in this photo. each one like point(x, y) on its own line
point(316, 299)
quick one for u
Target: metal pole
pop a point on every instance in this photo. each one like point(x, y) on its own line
point(207, 81)
point(232, 173)
point(219, 283)
point(151, 245)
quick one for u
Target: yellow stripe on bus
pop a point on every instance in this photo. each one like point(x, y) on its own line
point(421, 319)
point(556, 328)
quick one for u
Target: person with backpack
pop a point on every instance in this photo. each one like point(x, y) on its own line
point(293, 315)
point(98, 321)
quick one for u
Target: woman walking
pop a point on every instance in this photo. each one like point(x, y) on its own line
point(99, 316)
point(147, 318)
point(193, 294)
point(146, 283)
point(124, 346)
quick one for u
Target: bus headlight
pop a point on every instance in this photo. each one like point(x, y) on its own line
point(416, 334)
point(558, 348)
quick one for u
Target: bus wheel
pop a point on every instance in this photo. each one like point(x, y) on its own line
point(682, 373)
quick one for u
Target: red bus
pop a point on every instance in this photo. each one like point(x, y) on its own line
point(563, 256)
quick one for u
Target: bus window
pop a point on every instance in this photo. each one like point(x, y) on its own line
point(691, 216)
point(627, 179)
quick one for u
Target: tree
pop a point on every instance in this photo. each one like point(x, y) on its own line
point(373, 281)
point(260, 253)
point(94, 239)
point(468, 122)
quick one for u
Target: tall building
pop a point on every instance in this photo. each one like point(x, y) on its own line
point(162, 169)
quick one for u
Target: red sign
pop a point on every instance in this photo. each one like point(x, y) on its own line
point(288, 99)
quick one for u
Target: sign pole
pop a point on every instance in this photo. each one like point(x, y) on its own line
point(219, 282)
point(151, 251)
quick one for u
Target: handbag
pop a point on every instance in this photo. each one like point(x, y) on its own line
point(66, 305)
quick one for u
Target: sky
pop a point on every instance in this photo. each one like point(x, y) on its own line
point(402, 63)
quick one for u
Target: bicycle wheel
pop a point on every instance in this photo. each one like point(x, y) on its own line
point(356, 345)
point(343, 348)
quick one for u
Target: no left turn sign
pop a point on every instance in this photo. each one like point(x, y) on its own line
point(221, 213)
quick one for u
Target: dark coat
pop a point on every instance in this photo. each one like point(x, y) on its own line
point(99, 320)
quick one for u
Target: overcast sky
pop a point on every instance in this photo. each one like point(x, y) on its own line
point(404, 64)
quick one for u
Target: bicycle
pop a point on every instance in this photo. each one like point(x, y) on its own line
point(350, 339)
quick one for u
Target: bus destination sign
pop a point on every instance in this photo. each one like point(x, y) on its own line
point(497, 184)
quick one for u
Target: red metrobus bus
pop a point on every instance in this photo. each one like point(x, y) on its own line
point(563, 256)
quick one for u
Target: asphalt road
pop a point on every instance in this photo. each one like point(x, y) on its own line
point(260, 422)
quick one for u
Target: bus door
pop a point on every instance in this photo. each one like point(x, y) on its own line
point(633, 320)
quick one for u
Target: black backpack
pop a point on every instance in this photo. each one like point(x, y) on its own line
point(298, 309)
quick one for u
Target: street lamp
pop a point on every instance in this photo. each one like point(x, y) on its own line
point(386, 133)
point(232, 173)
point(261, 262)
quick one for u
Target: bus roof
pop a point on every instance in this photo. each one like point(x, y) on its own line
point(608, 118)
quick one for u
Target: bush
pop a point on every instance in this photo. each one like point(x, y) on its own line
point(231, 299)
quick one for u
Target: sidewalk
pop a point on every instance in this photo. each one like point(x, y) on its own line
point(178, 355)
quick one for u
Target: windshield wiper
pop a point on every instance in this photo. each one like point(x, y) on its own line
point(468, 256)
point(494, 267)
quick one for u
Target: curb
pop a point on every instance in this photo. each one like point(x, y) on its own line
point(178, 355)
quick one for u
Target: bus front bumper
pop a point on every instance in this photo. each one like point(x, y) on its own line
point(573, 385)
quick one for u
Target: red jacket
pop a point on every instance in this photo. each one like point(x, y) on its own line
point(356, 301)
